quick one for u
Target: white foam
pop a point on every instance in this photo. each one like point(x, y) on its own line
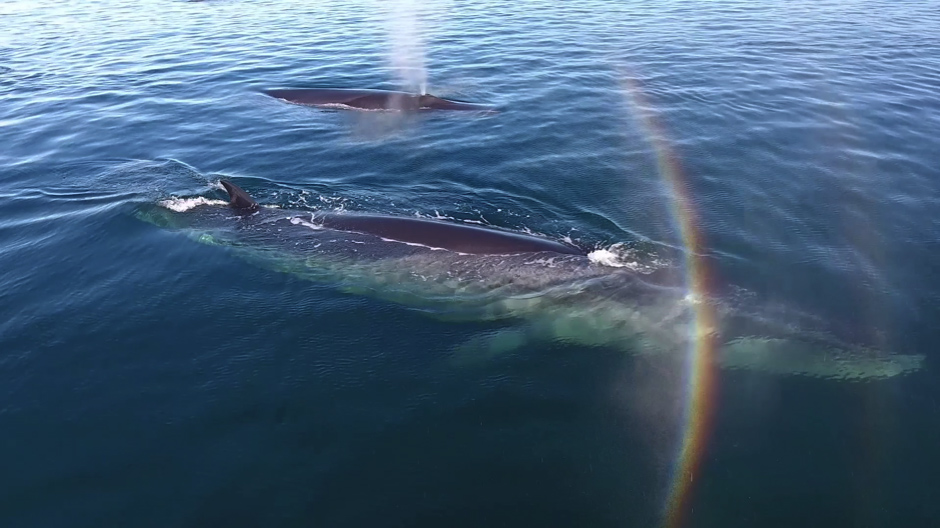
point(341, 106)
point(296, 220)
point(606, 257)
point(181, 205)
point(415, 244)
point(620, 256)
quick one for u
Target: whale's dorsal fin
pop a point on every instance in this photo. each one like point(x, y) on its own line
point(241, 202)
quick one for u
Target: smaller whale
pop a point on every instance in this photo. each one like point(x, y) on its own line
point(472, 240)
point(372, 100)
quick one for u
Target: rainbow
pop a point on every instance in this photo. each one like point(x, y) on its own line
point(700, 375)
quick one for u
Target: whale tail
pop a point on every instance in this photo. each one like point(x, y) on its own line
point(240, 201)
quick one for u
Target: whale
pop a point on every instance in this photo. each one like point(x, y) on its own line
point(354, 99)
point(537, 289)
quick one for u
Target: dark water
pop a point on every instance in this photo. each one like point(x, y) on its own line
point(147, 380)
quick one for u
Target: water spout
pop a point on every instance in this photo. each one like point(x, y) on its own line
point(407, 45)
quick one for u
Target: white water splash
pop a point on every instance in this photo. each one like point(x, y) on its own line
point(620, 256)
point(296, 220)
point(606, 257)
point(181, 205)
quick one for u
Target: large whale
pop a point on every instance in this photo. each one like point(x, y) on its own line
point(371, 100)
point(552, 291)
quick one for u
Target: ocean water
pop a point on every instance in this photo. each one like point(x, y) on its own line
point(785, 151)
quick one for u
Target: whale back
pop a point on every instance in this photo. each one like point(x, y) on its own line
point(371, 99)
point(437, 234)
point(461, 238)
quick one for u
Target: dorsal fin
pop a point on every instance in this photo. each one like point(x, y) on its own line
point(241, 202)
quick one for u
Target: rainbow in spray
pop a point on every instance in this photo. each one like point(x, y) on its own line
point(797, 354)
point(700, 375)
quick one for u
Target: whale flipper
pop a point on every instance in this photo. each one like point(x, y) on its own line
point(480, 350)
point(240, 200)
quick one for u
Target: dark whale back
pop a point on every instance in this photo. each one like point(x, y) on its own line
point(371, 99)
point(427, 232)
point(445, 235)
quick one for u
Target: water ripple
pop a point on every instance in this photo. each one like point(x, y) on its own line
point(805, 132)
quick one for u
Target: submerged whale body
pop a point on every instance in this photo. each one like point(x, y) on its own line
point(555, 292)
point(426, 232)
point(371, 99)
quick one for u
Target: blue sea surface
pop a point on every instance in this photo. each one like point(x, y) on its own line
point(149, 380)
